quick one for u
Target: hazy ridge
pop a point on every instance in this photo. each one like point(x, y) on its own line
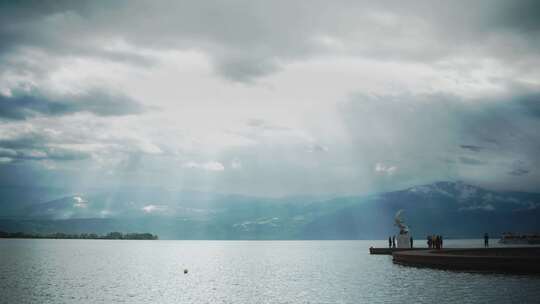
point(454, 209)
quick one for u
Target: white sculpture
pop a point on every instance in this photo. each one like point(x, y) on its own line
point(403, 239)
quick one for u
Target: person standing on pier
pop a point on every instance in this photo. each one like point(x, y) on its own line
point(441, 241)
point(389, 242)
point(486, 240)
point(394, 241)
point(411, 241)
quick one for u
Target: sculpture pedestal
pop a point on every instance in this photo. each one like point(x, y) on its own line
point(403, 241)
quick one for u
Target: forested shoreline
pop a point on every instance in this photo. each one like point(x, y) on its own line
point(84, 236)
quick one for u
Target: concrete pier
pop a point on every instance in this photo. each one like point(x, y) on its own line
point(513, 259)
point(389, 251)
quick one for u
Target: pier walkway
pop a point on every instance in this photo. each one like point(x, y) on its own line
point(512, 259)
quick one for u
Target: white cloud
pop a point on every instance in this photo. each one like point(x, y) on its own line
point(208, 166)
point(153, 208)
point(5, 160)
point(79, 199)
point(80, 202)
point(485, 207)
point(385, 169)
point(346, 79)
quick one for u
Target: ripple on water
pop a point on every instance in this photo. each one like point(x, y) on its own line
point(91, 271)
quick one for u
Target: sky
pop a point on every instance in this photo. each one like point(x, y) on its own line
point(270, 98)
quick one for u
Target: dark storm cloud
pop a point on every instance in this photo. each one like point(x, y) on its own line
point(521, 16)
point(244, 70)
point(417, 131)
point(34, 146)
point(25, 141)
point(472, 148)
point(519, 172)
point(249, 39)
point(418, 136)
point(471, 161)
point(519, 168)
point(25, 105)
point(506, 123)
point(61, 154)
point(530, 103)
point(20, 23)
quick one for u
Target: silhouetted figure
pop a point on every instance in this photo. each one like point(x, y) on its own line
point(389, 242)
point(429, 241)
point(411, 241)
point(486, 240)
point(440, 236)
point(394, 241)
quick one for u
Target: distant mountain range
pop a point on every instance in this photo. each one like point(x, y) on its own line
point(453, 209)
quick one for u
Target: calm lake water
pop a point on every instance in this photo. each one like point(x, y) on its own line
point(104, 271)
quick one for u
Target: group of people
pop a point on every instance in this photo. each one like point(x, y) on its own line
point(435, 241)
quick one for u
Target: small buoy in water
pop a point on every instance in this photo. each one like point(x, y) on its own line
point(185, 271)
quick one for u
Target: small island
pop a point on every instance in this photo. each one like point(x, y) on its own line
point(83, 236)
